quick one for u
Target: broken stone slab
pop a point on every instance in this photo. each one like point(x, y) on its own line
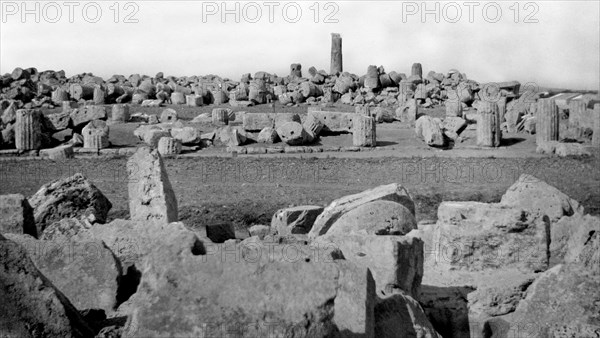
point(86, 271)
point(16, 215)
point(335, 121)
point(54, 201)
point(561, 302)
point(257, 121)
point(295, 220)
point(85, 114)
point(59, 153)
point(575, 239)
point(292, 133)
point(31, 305)
point(253, 295)
point(474, 236)
point(268, 135)
point(396, 262)
point(187, 135)
point(430, 130)
point(58, 121)
point(379, 217)
point(392, 192)
point(151, 197)
point(539, 198)
point(232, 136)
point(400, 315)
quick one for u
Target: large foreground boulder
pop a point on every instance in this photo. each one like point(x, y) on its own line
point(73, 196)
point(251, 294)
point(85, 271)
point(376, 218)
point(563, 302)
point(392, 192)
point(16, 215)
point(151, 197)
point(31, 305)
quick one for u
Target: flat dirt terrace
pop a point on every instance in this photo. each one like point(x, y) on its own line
point(213, 186)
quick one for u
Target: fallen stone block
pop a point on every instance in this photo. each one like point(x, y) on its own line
point(575, 239)
point(396, 262)
point(59, 153)
point(151, 197)
point(430, 130)
point(292, 133)
point(379, 217)
point(85, 114)
point(268, 135)
point(73, 196)
point(58, 122)
point(392, 192)
point(335, 121)
point(400, 315)
point(257, 121)
point(16, 215)
point(187, 135)
point(86, 271)
point(95, 135)
point(65, 229)
point(31, 305)
point(295, 220)
point(169, 146)
point(539, 198)
point(168, 115)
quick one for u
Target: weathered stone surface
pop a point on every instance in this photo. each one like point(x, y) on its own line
point(268, 135)
point(28, 129)
point(280, 119)
point(220, 116)
point(16, 215)
point(570, 149)
point(187, 135)
point(60, 153)
point(400, 315)
point(396, 262)
point(120, 113)
point(168, 115)
point(430, 130)
point(392, 192)
point(576, 239)
point(454, 108)
point(65, 229)
point(563, 302)
point(85, 271)
point(260, 230)
point(364, 131)
point(86, 114)
point(232, 136)
point(476, 236)
point(169, 146)
point(334, 121)
point(254, 295)
point(151, 135)
point(291, 133)
point(131, 241)
point(151, 197)
point(489, 133)
point(58, 121)
point(73, 196)
point(539, 198)
point(295, 220)
point(454, 124)
point(257, 121)
point(376, 218)
point(194, 100)
point(95, 135)
point(31, 305)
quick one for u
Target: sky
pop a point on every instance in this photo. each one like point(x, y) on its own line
point(543, 43)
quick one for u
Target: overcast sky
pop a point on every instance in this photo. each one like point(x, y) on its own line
point(180, 38)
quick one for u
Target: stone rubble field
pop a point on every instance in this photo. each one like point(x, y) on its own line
point(315, 204)
point(362, 266)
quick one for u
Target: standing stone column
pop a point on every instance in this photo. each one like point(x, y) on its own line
point(220, 116)
point(547, 121)
point(488, 125)
point(502, 107)
point(95, 135)
point(28, 129)
point(416, 70)
point(120, 113)
point(596, 134)
point(372, 78)
point(336, 54)
point(577, 110)
point(364, 131)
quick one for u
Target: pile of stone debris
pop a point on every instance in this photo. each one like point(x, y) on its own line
point(361, 266)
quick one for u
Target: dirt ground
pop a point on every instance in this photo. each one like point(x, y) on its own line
point(247, 190)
